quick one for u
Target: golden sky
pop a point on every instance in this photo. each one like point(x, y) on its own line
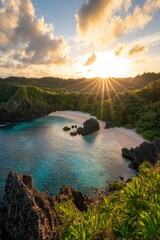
point(76, 38)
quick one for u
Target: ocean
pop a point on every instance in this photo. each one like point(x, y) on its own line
point(54, 158)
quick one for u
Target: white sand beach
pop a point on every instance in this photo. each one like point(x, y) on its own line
point(121, 136)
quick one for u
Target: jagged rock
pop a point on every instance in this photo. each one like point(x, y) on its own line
point(26, 213)
point(67, 192)
point(66, 128)
point(145, 152)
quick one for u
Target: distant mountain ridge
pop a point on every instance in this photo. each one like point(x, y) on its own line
point(82, 84)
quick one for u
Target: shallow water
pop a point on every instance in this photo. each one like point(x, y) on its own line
point(54, 158)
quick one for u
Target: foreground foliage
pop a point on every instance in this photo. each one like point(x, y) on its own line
point(130, 213)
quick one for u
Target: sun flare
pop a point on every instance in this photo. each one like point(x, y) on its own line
point(107, 65)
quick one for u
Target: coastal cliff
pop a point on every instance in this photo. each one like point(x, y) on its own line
point(27, 213)
point(127, 211)
point(145, 152)
point(22, 103)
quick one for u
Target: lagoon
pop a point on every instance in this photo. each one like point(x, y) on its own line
point(54, 158)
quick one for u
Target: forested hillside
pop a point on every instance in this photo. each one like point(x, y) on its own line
point(131, 102)
point(83, 84)
point(137, 108)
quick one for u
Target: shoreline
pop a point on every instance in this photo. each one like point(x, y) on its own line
point(124, 138)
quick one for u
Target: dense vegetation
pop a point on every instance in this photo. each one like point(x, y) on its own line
point(83, 84)
point(137, 108)
point(129, 102)
point(131, 212)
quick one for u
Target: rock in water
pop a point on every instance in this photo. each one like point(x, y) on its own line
point(81, 131)
point(145, 152)
point(91, 125)
point(66, 128)
point(26, 213)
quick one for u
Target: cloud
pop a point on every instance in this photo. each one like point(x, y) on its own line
point(137, 49)
point(90, 13)
point(118, 50)
point(31, 39)
point(138, 45)
point(94, 12)
point(90, 60)
point(103, 21)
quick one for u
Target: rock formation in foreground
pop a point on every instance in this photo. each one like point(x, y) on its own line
point(145, 152)
point(27, 214)
point(89, 126)
point(79, 200)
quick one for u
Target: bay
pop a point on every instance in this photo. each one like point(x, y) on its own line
point(54, 158)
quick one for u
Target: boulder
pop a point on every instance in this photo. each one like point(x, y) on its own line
point(27, 213)
point(81, 131)
point(73, 133)
point(90, 126)
point(145, 152)
point(66, 128)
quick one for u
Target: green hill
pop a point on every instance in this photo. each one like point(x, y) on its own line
point(83, 84)
point(129, 102)
point(138, 109)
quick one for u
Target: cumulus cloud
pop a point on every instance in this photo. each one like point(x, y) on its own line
point(90, 13)
point(90, 60)
point(102, 19)
point(94, 12)
point(31, 39)
point(137, 49)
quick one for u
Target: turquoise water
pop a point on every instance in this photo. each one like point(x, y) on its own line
point(54, 158)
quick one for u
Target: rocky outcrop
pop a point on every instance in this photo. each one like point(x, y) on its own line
point(80, 200)
point(27, 213)
point(145, 152)
point(90, 126)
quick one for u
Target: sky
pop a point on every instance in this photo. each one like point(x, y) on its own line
point(79, 38)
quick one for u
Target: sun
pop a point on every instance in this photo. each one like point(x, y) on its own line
point(107, 65)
